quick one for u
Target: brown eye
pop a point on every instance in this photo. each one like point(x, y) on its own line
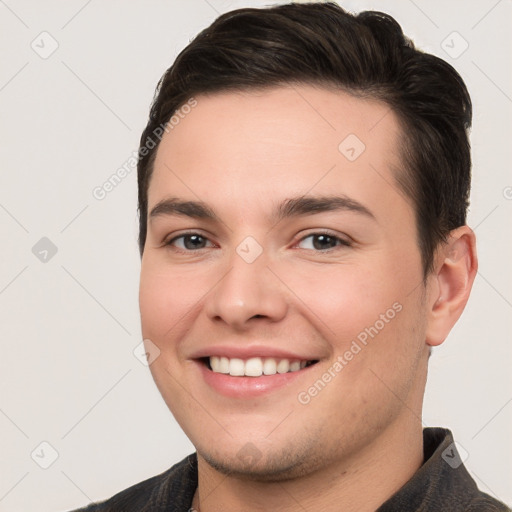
point(321, 242)
point(190, 242)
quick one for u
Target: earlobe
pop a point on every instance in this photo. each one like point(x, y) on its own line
point(451, 282)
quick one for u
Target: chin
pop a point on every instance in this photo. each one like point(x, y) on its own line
point(250, 463)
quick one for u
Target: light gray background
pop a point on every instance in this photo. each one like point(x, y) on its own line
point(69, 325)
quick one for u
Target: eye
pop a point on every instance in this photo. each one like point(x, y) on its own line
point(322, 242)
point(190, 242)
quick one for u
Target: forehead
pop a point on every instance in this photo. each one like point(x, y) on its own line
point(271, 141)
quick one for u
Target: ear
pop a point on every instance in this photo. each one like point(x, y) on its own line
point(450, 283)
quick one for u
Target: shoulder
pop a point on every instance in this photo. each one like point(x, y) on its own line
point(454, 484)
point(171, 490)
point(485, 503)
point(442, 482)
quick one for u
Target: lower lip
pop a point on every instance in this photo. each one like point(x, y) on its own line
point(248, 387)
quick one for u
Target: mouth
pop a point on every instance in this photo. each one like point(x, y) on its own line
point(247, 372)
point(254, 366)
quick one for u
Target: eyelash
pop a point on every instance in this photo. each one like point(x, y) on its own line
point(185, 235)
point(340, 242)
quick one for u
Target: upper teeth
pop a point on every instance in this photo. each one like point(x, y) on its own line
point(255, 366)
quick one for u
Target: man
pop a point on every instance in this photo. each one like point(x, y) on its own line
point(303, 184)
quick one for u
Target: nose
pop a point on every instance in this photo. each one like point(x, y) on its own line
point(247, 292)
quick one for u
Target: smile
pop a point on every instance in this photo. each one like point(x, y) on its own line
point(254, 366)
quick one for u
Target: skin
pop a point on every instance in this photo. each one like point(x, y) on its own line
point(361, 435)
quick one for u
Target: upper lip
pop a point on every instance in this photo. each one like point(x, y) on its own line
point(249, 351)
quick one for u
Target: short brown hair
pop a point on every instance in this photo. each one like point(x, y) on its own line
point(365, 54)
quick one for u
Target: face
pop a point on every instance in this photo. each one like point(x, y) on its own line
point(282, 280)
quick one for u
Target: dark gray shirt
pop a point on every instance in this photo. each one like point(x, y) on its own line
point(441, 484)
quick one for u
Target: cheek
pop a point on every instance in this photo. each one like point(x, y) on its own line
point(368, 318)
point(154, 302)
point(340, 300)
point(165, 300)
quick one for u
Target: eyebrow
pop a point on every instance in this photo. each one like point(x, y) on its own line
point(174, 206)
point(294, 207)
point(307, 205)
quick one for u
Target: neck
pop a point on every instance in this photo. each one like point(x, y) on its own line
point(360, 484)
